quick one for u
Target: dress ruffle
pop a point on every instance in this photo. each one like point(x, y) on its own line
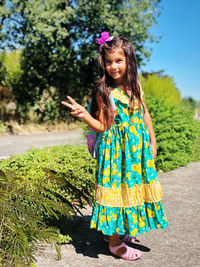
point(132, 221)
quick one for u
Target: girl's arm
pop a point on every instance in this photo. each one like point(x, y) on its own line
point(148, 121)
point(79, 111)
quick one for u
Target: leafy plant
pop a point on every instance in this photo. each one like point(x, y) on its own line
point(26, 206)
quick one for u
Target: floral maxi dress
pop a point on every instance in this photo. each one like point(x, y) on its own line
point(128, 193)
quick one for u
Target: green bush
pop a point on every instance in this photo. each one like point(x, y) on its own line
point(3, 127)
point(161, 86)
point(37, 189)
point(176, 133)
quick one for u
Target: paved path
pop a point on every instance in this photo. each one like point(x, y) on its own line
point(177, 246)
point(19, 144)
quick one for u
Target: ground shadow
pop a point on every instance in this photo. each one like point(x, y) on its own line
point(89, 242)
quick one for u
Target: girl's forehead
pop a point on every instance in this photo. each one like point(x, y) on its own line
point(115, 53)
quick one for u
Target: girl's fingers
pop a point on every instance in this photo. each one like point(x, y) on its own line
point(71, 100)
point(67, 105)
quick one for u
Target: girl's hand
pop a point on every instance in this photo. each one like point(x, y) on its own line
point(153, 150)
point(76, 109)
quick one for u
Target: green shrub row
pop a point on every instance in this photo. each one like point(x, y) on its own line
point(177, 134)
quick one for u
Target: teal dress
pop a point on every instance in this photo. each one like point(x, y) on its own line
point(128, 193)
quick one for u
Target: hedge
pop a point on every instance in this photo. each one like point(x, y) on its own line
point(177, 134)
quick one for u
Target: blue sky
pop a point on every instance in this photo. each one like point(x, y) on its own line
point(178, 52)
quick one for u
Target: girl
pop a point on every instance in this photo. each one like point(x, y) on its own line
point(128, 193)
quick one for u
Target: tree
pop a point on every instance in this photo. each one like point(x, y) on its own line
point(58, 39)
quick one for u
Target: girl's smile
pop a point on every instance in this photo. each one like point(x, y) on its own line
point(115, 64)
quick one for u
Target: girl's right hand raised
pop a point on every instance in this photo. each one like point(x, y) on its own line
point(76, 109)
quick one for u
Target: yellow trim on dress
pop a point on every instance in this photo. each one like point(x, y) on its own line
point(119, 95)
point(129, 197)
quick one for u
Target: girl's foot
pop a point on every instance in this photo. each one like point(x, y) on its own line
point(128, 238)
point(125, 238)
point(125, 252)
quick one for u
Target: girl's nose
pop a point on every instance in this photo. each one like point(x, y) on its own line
point(113, 66)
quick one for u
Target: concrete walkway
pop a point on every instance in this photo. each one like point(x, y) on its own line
point(177, 246)
point(20, 144)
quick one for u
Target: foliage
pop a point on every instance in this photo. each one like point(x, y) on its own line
point(3, 127)
point(35, 190)
point(10, 70)
point(190, 104)
point(161, 85)
point(58, 40)
point(21, 224)
point(3, 71)
point(177, 134)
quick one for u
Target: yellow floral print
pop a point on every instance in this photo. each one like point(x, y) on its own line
point(106, 153)
point(93, 224)
point(132, 129)
point(114, 185)
point(141, 224)
point(134, 232)
point(136, 168)
point(105, 180)
point(104, 210)
point(135, 120)
point(106, 172)
point(151, 213)
point(135, 217)
point(117, 147)
point(133, 148)
point(125, 111)
point(114, 215)
point(108, 142)
point(102, 218)
point(128, 175)
point(109, 134)
point(114, 172)
point(108, 218)
point(125, 124)
point(150, 163)
point(116, 155)
point(157, 206)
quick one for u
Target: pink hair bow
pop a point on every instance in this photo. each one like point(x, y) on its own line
point(104, 38)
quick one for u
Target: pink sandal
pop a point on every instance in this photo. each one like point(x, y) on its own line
point(127, 238)
point(130, 254)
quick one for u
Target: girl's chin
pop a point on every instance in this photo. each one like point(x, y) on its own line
point(116, 77)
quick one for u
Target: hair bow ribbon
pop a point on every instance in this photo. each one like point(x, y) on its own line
point(105, 37)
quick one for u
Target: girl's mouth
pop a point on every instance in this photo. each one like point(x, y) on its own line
point(115, 73)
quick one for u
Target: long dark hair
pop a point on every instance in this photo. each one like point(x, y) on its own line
point(105, 83)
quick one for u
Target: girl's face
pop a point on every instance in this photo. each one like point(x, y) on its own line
point(115, 63)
